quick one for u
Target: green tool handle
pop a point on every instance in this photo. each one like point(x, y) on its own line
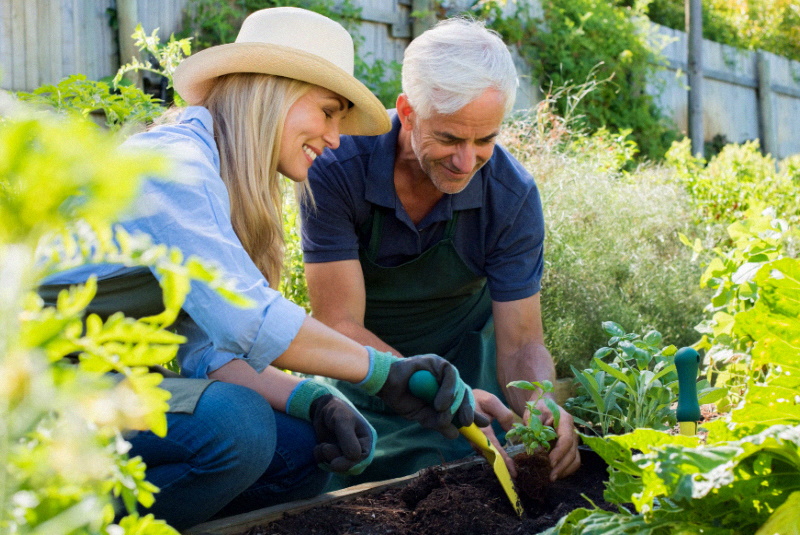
point(686, 363)
point(423, 385)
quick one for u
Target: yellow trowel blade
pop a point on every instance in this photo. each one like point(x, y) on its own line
point(476, 436)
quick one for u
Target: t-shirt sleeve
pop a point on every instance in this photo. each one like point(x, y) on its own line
point(329, 222)
point(515, 262)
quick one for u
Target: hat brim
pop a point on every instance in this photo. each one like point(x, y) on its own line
point(196, 75)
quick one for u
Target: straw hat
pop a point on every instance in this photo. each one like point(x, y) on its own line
point(295, 43)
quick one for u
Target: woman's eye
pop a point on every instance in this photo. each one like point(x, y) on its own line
point(328, 114)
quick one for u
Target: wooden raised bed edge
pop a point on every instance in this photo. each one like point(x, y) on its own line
point(235, 525)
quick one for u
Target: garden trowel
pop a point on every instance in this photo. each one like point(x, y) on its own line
point(423, 385)
point(688, 412)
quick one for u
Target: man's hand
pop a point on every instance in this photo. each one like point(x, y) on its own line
point(564, 457)
point(490, 405)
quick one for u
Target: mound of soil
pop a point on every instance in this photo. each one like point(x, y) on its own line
point(455, 500)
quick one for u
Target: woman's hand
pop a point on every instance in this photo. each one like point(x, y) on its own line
point(346, 441)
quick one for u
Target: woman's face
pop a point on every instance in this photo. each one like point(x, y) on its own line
point(311, 125)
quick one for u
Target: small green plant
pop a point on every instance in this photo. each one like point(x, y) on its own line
point(535, 435)
point(165, 57)
point(630, 384)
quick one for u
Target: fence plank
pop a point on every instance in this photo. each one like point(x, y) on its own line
point(6, 45)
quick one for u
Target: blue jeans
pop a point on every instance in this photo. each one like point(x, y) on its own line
point(232, 455)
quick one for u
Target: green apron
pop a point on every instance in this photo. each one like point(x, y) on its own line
point(137, 294)
point(432, 304)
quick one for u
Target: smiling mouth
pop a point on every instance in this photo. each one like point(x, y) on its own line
point(310, 152)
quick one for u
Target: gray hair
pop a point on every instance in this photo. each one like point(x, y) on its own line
point(454, 63)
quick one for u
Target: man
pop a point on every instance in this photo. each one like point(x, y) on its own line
point(429, 239)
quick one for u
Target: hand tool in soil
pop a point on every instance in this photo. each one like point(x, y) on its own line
point(423, 385)
point(688, 412)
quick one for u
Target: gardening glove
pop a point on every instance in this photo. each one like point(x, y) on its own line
point(345, 440)
point(388, 379)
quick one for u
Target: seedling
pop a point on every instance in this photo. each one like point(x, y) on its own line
point(535, 435)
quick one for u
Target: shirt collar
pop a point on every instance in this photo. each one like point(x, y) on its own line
point(379, 188)
point(197, 114)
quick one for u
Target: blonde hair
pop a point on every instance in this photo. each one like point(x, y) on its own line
point(249, 111)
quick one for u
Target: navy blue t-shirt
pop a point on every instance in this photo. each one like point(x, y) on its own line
point(500, 230)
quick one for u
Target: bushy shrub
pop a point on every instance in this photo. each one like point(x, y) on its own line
point(771, 25)
point(738, 178)
point(612, 249)
point(578, 40)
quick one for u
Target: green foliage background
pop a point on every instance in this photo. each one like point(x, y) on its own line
point(771, 25)
point(214, 22)
point(581, 40)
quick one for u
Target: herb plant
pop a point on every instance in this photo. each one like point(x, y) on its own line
point(744, 479)
point(630, 384)
point(535, 435)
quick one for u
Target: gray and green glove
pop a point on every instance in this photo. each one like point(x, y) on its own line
point(388, 377)
point(345, 440)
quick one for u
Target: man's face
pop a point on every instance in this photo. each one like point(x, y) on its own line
point(451, 148)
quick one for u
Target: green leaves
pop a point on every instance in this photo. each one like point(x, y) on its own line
point(535, 435)
point(62, 455)
point(630, 384)
point(77, 95)
point(48, 179)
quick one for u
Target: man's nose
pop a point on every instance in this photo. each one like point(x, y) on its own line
point(465, 158)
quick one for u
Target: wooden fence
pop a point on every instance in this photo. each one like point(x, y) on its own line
point(747, 95)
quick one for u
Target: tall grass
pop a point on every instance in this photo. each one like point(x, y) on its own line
point(611, 249)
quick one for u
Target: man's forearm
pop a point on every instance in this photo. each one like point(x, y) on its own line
point(532, 362)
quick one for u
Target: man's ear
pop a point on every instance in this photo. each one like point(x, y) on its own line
point(405, 112)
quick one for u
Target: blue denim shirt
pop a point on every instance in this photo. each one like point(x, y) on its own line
point(192, 212)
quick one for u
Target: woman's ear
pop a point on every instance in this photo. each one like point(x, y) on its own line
point(405, 112)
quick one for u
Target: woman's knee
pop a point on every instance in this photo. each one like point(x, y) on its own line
point(242, 421)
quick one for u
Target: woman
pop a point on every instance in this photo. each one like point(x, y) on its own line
point(242, 434)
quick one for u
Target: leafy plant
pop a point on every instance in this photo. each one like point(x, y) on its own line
point(63, 458)
point(744, 479)
point(576, 40)
point(723, 188)
point(165, 58)
point(120, 105)
point(535, 435)
point(630, 384)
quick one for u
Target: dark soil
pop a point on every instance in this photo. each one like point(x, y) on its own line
point(455, 500)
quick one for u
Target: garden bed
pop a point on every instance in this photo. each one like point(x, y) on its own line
point(458, 498)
